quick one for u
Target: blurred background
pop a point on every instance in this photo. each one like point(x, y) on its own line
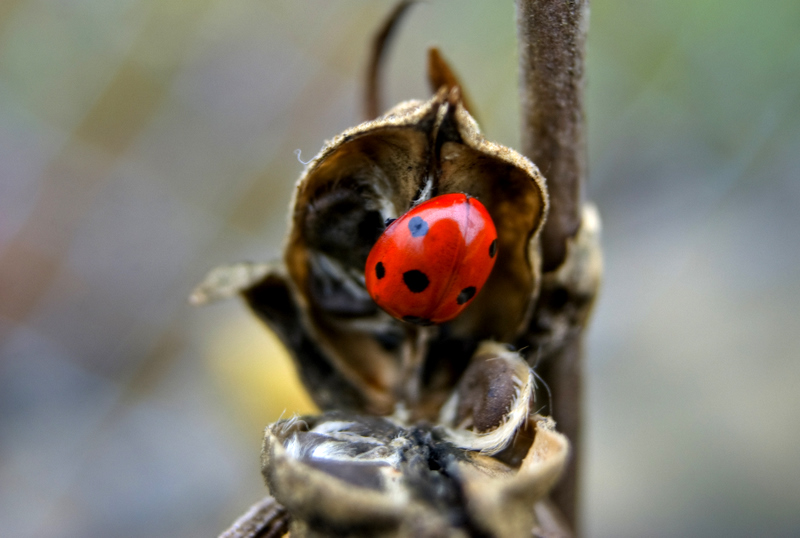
point(143, 142)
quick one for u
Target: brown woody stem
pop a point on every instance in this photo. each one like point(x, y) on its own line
point(564, 374)
point(265, 519)
point(552, 38)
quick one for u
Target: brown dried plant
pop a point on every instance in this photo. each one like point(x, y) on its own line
point(430, 431)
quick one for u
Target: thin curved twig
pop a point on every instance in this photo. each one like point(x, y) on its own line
point(380, 43)
point(265, 519)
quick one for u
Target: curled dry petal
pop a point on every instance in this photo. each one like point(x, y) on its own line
point(491, 402)
point(504, 502)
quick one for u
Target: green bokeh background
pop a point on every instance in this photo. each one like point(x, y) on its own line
point(143, 142)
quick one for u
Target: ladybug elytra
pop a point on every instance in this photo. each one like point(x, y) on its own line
point(429, 264)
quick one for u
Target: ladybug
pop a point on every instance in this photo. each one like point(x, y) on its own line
point(429, 264)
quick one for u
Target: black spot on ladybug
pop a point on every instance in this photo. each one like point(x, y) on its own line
point(417, 226)
point(416, 320)
point(493, 248)
point(416, 281)
point(466, 294)
point(387, 222)
point(380, 271)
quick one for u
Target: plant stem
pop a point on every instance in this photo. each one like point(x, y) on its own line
point(552, 38)
point(265, 519)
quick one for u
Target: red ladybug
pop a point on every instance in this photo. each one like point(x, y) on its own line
point(428, 265)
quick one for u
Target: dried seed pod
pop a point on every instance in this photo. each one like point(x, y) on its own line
point(508, 502)
point(379, 170)
point(491, 401)
point(568, 294)
point(374, 172)
point(344, 474)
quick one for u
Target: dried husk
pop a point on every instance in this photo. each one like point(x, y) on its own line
point(568, 294)
point(351, 475)
point(491, 402)
point(370, 173)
